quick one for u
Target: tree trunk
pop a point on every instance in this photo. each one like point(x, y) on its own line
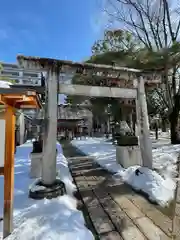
point(156, 130)
point(175, 138)
point(163, 125)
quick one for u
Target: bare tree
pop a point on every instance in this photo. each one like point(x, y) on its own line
point(156, 25)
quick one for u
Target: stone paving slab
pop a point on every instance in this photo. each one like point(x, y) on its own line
point(113, 209)
point(121, 221)
point(100, 219)
point(131, 210)
point(111, 236)
point(116, 211)
point(150, 230)
point(152, 213)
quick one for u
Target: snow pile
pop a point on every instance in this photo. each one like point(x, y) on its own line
point(34, 187)
point(64, 173)
point(44, 219)
point(165, 158)
point(4, 84)
point(51, 219)
point(159, 189)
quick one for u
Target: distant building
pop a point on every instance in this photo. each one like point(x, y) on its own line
point(19, 75)
point(76, 119)
point(72, 121)
point(22, 127)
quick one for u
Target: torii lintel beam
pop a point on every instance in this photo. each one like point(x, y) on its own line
point(47, 63)
point(96, 91)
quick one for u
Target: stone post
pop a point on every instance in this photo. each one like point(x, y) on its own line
point(131, 119)
point(143, 124)
point(21, 128)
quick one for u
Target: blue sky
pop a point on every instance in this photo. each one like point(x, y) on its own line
point(64, 29)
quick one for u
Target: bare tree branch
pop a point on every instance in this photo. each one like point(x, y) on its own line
point(167, 11)
point(162, 97)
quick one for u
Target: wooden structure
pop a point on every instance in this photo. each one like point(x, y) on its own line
point(73, 120)
point(12, 99)
point(59, 76)
point(68, 121)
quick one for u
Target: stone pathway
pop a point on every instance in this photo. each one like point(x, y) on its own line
point(115, 210)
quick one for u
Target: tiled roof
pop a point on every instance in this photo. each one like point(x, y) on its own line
point(68, 112)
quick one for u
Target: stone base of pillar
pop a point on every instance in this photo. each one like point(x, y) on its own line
point(39, 191)
point(128, 156)
point(36, 165)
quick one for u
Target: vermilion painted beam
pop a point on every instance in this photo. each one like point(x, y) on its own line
point(9, 171)
point(1, 170)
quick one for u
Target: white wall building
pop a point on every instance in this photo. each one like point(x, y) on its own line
point(19, 75)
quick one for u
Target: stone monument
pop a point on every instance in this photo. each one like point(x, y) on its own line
point(127, 148)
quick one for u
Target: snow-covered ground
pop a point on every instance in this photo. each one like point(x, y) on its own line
point(163, 138)
point(159, 187)
point(44, 219)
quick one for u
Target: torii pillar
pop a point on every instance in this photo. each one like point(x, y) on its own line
point(143, 124)
point(50, 131)
point(53, 186)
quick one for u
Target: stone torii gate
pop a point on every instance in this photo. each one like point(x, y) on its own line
point(132, 88)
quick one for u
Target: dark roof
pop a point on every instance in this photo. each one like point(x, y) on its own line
point(16, 90)
point(68, 123)
point(38, 89)
point(67, 112)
